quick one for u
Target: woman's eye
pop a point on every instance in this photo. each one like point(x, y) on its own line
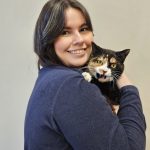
point(84, 29)
point(65, 33)
point(113, 65)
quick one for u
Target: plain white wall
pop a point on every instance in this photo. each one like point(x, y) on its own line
point(117, 25)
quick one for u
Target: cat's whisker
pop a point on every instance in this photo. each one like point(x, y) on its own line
point(85, 67)
point(90, 67)
point(116, 71)
point(116, 76)
point(92, 70)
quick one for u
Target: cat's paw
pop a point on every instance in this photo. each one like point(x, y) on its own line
point(87, 76)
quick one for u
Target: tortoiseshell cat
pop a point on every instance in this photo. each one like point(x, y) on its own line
point(104, 68)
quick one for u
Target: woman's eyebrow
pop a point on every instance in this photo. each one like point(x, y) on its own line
point(82, 25)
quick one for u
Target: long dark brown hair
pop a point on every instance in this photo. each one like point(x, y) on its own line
point(50, 25)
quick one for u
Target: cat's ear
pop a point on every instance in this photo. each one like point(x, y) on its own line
point(122, 54)
point(96, 49)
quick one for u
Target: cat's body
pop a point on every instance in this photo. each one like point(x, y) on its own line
point(105, 67)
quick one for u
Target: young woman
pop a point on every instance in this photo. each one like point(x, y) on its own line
point(65, 112)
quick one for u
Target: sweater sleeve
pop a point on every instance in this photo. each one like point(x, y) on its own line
point(131, 117)
point(86, 121)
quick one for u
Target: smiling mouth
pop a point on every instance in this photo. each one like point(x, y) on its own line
point(77, 51)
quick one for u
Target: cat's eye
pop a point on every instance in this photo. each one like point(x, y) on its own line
point(99, 62)
point(113, 65)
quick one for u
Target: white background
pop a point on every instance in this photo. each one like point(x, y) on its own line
point(118, 24)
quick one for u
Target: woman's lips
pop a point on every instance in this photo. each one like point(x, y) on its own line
point(77, 51)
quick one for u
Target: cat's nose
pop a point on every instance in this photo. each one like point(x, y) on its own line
point(103, 72)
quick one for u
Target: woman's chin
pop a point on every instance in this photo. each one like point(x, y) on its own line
point(77, 62)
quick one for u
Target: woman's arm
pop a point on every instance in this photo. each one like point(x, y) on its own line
point(87, 122)
point(130, 114)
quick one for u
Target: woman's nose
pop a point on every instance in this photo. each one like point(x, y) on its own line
point(78, 39)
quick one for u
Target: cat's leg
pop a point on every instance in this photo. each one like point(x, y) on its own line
point(87, 76)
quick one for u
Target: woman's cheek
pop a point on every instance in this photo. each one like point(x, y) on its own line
point(89, 39)
point(62, 43)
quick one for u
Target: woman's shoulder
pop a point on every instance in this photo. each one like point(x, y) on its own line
point(59, 74)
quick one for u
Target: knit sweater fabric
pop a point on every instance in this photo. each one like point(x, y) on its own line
point(65, 112)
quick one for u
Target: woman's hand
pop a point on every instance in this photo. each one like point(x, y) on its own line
point(123, 81)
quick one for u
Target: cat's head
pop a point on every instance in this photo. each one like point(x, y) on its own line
point(105, 64)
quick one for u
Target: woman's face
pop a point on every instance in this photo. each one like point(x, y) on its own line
point(74, 45)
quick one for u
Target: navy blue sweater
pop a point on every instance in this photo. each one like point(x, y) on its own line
point(65, 112)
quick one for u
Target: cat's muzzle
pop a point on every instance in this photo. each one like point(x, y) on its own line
point(100, 76)
point(103, 78)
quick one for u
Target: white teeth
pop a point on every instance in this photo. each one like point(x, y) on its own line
point(76, 51)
